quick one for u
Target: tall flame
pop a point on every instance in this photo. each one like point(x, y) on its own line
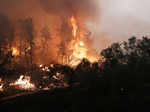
point(78, 46)
point(74, 26)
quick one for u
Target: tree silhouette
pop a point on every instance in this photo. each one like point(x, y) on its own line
point(127, 64)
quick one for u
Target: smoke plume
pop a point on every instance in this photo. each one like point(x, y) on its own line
point(86, 9)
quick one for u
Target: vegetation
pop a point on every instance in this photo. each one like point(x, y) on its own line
point(126, 66)
point(124, 73)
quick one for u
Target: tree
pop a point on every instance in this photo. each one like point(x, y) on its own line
point(131, 52)
point(6, 39)
point(128, 63)
point(27, 27)
point(66, 37)
point(45, 33)
point(6, 31)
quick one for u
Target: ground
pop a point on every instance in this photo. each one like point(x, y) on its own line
point(74, 100)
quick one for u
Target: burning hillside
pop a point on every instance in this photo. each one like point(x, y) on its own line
point(56, 30)
point(47, 50)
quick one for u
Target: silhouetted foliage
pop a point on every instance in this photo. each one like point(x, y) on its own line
point(127, 64)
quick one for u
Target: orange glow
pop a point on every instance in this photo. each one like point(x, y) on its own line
point(75, 27)
point(79, 51)
point(1, 85)
point(15, 51)
point(81, 44)
point(24, 83)
point(78, 46)
point(92, 59)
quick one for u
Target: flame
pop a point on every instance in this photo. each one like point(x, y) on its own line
point(74, 26)
point(24, 83)
point(93, 59)
point(78, 46)
point(40, 65)
point(58, 76)
point(79, 52)
point(15, 51)
point(81, 44)
point(44, 68)
point(1, 85)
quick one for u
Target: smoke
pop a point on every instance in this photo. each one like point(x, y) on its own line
point(6, 30)
point(87, 9)
point(108, 20)
point(54, 14)
point(121, 19)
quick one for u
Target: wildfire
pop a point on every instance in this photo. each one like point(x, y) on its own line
point(78, 46)
point(24, 83)
point(15, 51)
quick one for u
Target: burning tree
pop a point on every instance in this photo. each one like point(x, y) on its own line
point(6, 39)
point(65, 37)
point(45, 33)
point(78, 45)
point(27, 31)
point(74, 45)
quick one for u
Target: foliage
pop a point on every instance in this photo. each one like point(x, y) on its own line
point(127, 64)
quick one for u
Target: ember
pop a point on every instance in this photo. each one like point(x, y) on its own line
point(44, 68)
point(1, 85)
point(58, 76)
point(15, 51)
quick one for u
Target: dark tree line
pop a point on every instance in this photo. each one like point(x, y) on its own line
point(127, 65)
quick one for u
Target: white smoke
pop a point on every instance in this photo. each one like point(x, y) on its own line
point(122, 19)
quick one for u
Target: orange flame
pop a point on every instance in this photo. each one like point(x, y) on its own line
point(1, 85)
point(75, 27)
point(78, 46)
point(81, 44)
point(24, 83)
point(15, 51)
